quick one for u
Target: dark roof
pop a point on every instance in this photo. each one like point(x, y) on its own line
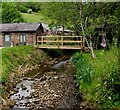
point(19, 27)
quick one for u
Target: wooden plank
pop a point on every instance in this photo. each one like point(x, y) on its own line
point(49, 41)
point(60, 41)
point(60, 47)
point(59, 36)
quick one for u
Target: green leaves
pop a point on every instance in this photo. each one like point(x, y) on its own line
point(83, 69)
point(10, 14)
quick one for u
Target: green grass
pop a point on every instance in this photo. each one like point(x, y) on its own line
point(35, 17)
point(103, 87)
point(13, 57)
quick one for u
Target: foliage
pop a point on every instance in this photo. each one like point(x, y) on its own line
point(22, 8)
point(83, 69)
point(13, 57)
point(85, 17)
point(58, 12)
point(103, 88)
point(10, 13)
point(35, 6)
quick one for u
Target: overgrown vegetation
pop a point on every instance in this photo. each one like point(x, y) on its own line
point(13, 57)
point(99, 79)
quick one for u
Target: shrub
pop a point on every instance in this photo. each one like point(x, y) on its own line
point(83, 69)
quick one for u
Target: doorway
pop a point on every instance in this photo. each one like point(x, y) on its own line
point(7, 40)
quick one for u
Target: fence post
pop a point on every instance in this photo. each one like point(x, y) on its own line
point(81, 43)
point(42, 40)
point(61, 41)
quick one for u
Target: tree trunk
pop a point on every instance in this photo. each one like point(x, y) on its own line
point(90, 47)
point(83, 31)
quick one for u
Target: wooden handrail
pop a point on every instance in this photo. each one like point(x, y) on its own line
point(60, 41)
point(59, 36)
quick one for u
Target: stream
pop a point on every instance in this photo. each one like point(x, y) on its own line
point(53, 88)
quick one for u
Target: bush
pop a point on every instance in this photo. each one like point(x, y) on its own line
point(22, 8)
point(83, 69)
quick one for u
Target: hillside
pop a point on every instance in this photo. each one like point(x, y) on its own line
point(35, 17)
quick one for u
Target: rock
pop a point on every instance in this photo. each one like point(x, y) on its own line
point(12, 92)
point(49, 78)
point(11, 76)
point(44, 65)
point(25, 78)
point(23, 87)
point(10, 103)
point(27, 90)
point(83, 104)
point(62, 76)
point(43, 78)
point(1, 107)
point(56, 77)
point(35, 96)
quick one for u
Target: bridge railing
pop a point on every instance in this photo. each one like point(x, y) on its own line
point(61, 42)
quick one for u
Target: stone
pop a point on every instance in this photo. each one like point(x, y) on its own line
point(83, 104)
point(11, 76)
point(23, 87)
point(43, 78)
point(56, 77)
point(10, 103)
point(1, 107)
point(12, 92)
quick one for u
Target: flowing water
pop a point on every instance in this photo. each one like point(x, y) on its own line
point(23, 92)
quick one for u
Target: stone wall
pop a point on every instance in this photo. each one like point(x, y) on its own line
point(15, 38)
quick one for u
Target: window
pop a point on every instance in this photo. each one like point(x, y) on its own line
point(22, 37)
point(7, 37)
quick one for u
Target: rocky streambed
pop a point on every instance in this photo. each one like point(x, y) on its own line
point(54, 88)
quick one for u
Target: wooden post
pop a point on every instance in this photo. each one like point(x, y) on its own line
point(81, 43)
point(61, 41)
point(58, 42)
point(37, 40)
point(41, 40)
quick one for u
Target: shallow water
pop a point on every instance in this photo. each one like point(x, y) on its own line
point(23, 91)
point(59, 65)
point(24, 88)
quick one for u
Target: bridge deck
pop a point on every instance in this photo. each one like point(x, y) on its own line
point(60, 47)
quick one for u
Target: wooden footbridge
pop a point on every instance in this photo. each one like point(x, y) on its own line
point(61, 42)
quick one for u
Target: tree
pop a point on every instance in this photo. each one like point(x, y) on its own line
point(58, 12)
point(84, 18)
point(10, 14)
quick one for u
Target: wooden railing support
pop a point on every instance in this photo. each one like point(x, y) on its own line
point(60, 42)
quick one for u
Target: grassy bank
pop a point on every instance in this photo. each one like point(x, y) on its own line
point(35, 17)
point(13, 57)
point(98, 79)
